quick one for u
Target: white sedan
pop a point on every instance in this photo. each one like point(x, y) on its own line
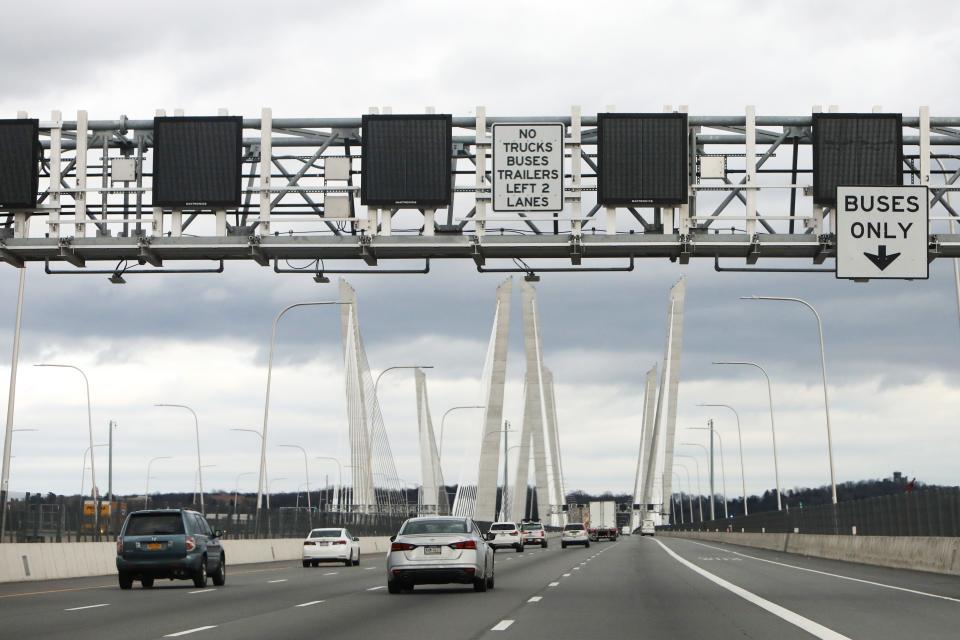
point(331, 545)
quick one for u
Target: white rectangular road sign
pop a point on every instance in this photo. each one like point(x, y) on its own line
point(528, 167)
point(882, 232)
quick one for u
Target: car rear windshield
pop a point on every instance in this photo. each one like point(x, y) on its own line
point(426, 527)
point(573, 527)
point(506, 526)
point(154, 524)
point(532, 526)
point(325, 533)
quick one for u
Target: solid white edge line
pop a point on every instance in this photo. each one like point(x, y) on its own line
point(307, 604)
point(89, 606)
point(833, 575)
point(183, 633)
point(503, 625)
point(535, 599)
point(808, 625)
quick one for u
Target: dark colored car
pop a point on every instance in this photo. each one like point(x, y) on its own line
point(169, 543)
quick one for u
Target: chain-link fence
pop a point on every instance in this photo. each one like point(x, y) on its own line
point(924, 512)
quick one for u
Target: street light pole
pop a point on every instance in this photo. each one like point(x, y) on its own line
point(823, 373)
point(699, 488)
point(689, 490)
point(146, 492)
point(743, 478)
point(93, 472)
point(196, 427)
point(266, 402)
point(339, 475)
point(506, 435)
point(706, 452)
point(236, 490)
point(444, 418)
point(773, 430)
point(723, 469)
point(256, 433)
point(11, 400)
point(306, 471)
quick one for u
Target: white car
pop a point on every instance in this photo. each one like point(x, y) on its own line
point(331, 545)
point(504, 534)
point(534, 533)
point(574, 533)
point(439, 550)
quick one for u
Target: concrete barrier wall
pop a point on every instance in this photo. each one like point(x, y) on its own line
point(50, 561)
point(934, 554)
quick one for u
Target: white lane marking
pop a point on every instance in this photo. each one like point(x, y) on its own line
point(307, 604)
point(553, 584)
point(333, 573)
point(503, 625)
point(808, 625)
point(576, 568)
point(835, 575)
point(366, 569)
point(89, 606)
point(275, 581)
point(183, 633)
point(202, 591)
point(566, 575)
point(535, 599)
point(375, 588)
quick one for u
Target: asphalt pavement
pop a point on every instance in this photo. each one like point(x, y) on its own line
point(634, 588)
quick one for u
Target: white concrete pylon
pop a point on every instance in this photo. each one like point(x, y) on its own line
point(495, 377)
point(646, 456)
point(557, 489)
point(671, 373)
point(520, 489)
point(434, 498)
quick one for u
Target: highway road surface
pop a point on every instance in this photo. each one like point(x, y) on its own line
point(634, 588)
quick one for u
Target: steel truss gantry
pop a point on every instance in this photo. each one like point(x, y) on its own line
point(749, 199)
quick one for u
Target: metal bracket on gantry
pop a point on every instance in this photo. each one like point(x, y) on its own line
point(825, 250)
point(476, 252)
point(576, 250)
point(256, 252)
point(366, 250)
point(67, 253)
point(933, 249)
point(686, 249)
point(9, 258)
point(147, 254)
point(753, 253)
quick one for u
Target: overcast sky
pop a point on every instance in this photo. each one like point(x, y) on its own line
point(200, 340)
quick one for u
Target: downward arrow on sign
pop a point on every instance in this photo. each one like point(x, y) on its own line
point(881, 259)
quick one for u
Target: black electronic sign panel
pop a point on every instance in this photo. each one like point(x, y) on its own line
point(642, 159)
point(406, 161)
point(19, 163)
point(855, 150)
point(197, 161)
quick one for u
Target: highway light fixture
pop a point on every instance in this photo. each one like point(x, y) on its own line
point(321, 279)
point(117, 278)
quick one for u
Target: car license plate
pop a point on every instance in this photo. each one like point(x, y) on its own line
point(431, 550)
point(323, 544)
point(154, 546)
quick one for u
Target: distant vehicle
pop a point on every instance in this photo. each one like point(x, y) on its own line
point(169, 543)
point(648, 528)
point(331, 545)
point(439, 550)
point(505, 534)
point(603, 520)
point(625, 530)
point(574, 533)
point(533, 533)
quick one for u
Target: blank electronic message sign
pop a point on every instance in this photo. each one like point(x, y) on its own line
point(855, 150)
point(197, 161)
point(19, 163)
point(406, 160)
point(642, 159)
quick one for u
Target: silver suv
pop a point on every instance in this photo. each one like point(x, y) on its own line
point(574, 533)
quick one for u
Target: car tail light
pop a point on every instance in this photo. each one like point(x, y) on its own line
point(308, 543)
point(513, 533)
point(191, 543)
point(466, 544)
point(402, 546)
point(339, 542)
point(119, 546)
point(469, 570)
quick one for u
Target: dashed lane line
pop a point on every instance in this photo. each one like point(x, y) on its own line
point(312, 602)
point(535, 599)
point(553, 584)
point(835, 575)
point(333, 573)
point(369, 568)
point(566, 575)
point(276, 581)
point(503, 625)
point(813, 628)
point(183, 633)
point(89, 606)
point(376, 588)
point(201, 591)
